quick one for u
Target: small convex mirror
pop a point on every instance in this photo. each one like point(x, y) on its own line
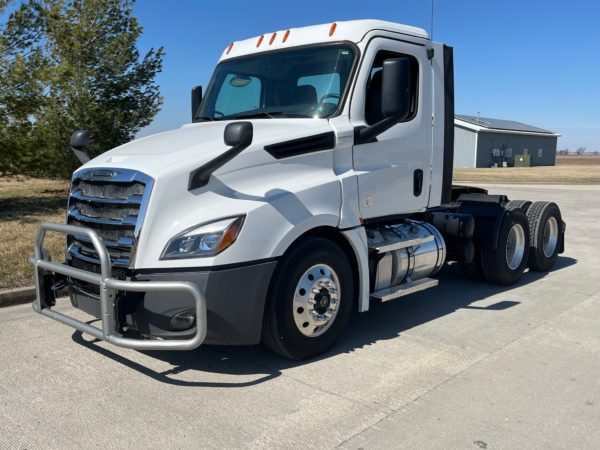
point(238, 134)
point(80, 139)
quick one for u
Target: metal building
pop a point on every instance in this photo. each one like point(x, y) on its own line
point(485, 142)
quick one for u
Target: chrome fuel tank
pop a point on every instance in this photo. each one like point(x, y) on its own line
point(404, 252)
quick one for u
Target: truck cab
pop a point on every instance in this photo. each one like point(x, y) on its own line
point(314, 178)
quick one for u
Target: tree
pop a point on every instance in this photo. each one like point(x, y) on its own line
point(72, 64)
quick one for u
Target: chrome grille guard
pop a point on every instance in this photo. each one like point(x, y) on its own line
point(108, 293)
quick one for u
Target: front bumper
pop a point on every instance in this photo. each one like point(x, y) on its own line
point(108, 293)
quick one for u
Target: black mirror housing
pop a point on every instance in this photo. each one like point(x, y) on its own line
point(196, 99)
point(397, 89)
point(238, 134)
point(80, 140)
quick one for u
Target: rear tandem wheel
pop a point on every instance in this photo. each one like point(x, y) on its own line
point(506, 263)
point(546, 235)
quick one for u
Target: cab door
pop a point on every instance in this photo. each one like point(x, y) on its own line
point(393, 173)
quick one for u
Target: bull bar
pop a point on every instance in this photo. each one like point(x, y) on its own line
point(109, 288)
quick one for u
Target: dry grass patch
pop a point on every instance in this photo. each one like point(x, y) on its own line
point(568, 170)
point(24, 204)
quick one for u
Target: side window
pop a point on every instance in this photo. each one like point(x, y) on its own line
point(373, 113)
point(238, 93)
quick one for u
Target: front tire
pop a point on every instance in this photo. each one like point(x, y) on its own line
point(310, 300)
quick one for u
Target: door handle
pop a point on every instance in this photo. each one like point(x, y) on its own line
point(418, 182)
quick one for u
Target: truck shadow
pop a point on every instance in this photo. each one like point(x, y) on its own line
point(28, 209)
point(248, 366)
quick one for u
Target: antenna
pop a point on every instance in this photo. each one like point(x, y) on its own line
point(431, 26)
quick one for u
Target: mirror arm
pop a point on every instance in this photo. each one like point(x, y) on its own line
point(364, 135)
point(201, 175)
point(81, 155)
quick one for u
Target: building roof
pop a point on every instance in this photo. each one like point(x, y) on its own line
point(499, 125)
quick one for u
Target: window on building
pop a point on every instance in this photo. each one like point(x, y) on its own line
point(526, 151)
point(508, 152)
point(540, 152)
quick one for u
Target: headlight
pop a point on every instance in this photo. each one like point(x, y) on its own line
point(208, 239)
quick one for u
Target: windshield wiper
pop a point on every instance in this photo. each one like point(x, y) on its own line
point(270, 115)
point(205, 118)
point(265, 114)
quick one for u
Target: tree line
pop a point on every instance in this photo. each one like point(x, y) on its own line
point(67, 65)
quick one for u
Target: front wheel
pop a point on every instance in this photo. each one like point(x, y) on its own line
point(310, 300)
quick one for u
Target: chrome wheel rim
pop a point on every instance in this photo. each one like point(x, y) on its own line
point(550, 238)
point(515, 246)
point(316, 300)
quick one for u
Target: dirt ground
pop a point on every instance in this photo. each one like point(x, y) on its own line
point(24, 203)
point(568, 170)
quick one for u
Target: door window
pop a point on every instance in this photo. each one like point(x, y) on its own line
point(373, 112)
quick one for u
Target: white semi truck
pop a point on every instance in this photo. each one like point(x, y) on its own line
point(314, 179)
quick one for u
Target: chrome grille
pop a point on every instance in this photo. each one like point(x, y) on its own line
point(112, 202)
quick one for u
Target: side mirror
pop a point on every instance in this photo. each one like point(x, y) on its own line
point(196, 99)
point(397, 88)
point(80, 140)
point(238, 134)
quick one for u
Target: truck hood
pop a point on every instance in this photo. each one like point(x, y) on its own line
point(193, 145)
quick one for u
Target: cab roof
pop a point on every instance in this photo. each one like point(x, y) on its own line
point(352, 30)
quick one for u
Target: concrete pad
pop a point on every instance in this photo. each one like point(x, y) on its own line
point(464, 365)
point(541, 391)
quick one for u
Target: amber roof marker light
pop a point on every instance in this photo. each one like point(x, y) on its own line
point(273, 36)
point(332, 28)
point(260, 39)
point(229, 47)
point(286, 35)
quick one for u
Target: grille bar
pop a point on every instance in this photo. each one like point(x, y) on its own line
point(74, 213)
point(126, 242)
point(113, 205)
point(134, 199)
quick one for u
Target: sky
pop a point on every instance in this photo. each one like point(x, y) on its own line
point(533, 61)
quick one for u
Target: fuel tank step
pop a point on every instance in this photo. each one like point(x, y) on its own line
point(403, 244)
point(404, 289)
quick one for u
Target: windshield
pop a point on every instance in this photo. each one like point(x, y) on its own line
point(305, 82)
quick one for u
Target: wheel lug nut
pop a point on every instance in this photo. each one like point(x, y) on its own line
point(312, 301)
point(315, 291)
